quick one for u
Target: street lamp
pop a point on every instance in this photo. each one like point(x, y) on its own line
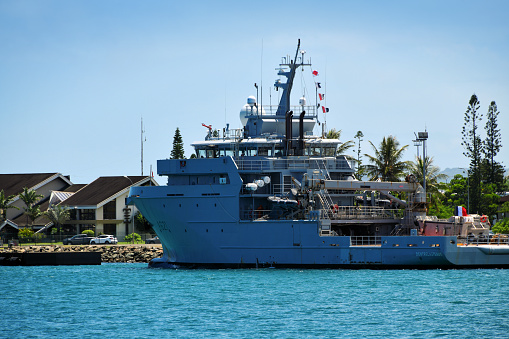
point(127, 210)
point(421, 140)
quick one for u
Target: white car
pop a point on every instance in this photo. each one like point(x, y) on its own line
point(104, 239)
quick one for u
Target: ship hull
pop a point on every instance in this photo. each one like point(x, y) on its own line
point(218, 240)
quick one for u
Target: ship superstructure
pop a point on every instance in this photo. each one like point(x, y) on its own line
point(275, 194)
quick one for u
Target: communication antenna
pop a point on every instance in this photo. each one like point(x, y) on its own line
point(142, 141)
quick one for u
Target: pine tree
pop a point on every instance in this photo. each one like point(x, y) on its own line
point(178, 146)
point(492, 145)
point(473, 150)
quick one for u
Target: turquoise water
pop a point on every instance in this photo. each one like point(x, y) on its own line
point(133, 301)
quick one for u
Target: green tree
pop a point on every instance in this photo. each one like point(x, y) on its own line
point(178, 146)
point(30, 198)
point(5, 204)
point(473, 150)
point(456, 192)
point(58, 214)
point(343, 147)
point(502, 226)
point(386, 164)
point(142, 224)
point(492, 145)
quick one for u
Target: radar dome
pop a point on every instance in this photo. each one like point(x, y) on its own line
point(302, 101)
point(247, 111)
point(251, 100)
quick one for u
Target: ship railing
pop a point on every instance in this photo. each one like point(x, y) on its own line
point(497, 239)
point(365, 241)
point(362, 213)
point(269, 111)
point(283, 164)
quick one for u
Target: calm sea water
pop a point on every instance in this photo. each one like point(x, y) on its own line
point(133, 301)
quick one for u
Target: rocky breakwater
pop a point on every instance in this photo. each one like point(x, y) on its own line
point(109, 253)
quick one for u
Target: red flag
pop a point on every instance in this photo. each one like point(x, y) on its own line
point(323, 109)
point(315, 73)
point(321, 96)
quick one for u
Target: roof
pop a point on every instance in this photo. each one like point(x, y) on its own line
point(101, 189)
point(13, 184)
point(23, 221)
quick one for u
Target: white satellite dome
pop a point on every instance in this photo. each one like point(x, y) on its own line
point(302, 101)
point(251, 100)
point(249, 109)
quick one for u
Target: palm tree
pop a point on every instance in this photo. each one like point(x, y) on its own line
point(30, 198)
point(432, 178)
point(343, 147)
point(4, 204)
point(433, 174)
point(386, 164)
point(58, 214)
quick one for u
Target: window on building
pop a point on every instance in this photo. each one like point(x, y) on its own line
point(110, 210)
point(87, 214)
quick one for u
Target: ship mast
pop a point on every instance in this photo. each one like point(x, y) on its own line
point(284, 104)
point(142, 131)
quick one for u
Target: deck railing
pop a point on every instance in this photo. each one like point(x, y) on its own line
point(282, 164)
point(362, 213)
point(485, 240)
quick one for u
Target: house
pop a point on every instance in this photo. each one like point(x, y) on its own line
point(100, 205)
point(42, 183)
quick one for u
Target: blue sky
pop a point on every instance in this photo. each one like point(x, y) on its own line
point(77, 76)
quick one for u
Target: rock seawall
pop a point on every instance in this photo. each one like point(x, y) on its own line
point(109, 253)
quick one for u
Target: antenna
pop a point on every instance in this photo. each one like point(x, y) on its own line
point(142, 141)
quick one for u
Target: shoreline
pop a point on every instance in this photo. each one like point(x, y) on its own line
point(132, 253)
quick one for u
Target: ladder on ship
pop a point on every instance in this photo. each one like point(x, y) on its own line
point(323, 194)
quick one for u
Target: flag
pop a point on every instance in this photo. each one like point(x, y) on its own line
point(325, 110)
point(318, 85)
point(321, 96)
point(315, 73)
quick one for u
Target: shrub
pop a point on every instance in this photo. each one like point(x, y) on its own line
point(25, 234)
point(89, 233)
point(129, 237)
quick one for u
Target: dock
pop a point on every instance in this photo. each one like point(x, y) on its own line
point(50, 258)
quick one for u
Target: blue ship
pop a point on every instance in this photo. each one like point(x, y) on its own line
point(273, 194)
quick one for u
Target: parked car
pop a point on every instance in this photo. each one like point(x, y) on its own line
point(104, 239)
point(78, 239)
point(154, 240)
